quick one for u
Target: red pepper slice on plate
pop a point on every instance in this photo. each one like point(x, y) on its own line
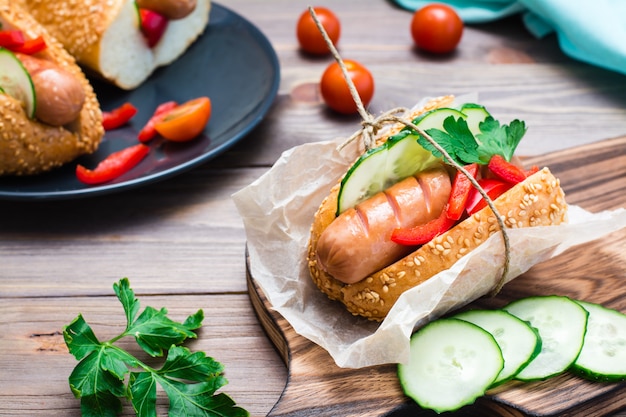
point(11, 38)
point(113, 165)
point(494, 189)
point(153, 26)
point(424, 233)
point(505, 170)
point(148, 131)
point(118, 117)
point(461, 187)
point(31, 46)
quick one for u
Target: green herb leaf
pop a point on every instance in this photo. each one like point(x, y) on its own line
point(127, 297)
point(154, 331)
point(79, 338)
point(189, 379)
point(457, 140)
point(500, 140)
point(102, 404)
point(461, 145)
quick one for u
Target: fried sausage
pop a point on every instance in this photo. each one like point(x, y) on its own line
point(358, 242)
point(172, 9)
point(59, 95)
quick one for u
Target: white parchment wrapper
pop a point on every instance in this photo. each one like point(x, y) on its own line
point(277, 211)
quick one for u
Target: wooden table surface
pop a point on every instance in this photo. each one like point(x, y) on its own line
point(181, 241)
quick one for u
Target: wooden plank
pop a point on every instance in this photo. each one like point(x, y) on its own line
point(592, 272)
point(181, 236)
point(35, 363)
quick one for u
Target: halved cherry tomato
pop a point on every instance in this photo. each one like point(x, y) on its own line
point(335, 91)
point(186, 121)
point(436, 28)
point(494, 189)
point(153, 26)
point(424, 233)
point(505, 170)
point(113, 165)
point(148, 132)
point(309, 36)
point(461, 187)
point(118, 116)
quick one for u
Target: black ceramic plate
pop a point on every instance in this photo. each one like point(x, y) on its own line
point(233, 63)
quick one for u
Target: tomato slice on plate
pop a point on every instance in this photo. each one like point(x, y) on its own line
point(186, 121)
point(494, 189)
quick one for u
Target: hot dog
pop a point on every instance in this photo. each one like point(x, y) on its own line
point(106, 38)
point(67, 121)
point(368, 280)
point(363, 233)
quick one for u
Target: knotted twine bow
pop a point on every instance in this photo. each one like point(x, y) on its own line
point(371, 125)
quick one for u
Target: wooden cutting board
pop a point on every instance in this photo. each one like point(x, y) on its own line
point(593, 177)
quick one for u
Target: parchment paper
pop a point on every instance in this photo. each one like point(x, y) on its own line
point(277, 211)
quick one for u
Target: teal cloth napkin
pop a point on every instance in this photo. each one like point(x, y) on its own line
point(593, 31)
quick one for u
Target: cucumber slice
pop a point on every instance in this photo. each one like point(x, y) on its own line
point(398, 158)
point(475, 115)
point(519, 342)
point(16, 81)
point(603, 356)
point(561, 323)
point(452, 362)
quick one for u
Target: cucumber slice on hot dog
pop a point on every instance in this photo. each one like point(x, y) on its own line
point(399, 157)
point(16, 82)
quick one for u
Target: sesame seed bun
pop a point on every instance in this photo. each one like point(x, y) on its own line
point(537, 201)
point(27, 146)
point(104, 36)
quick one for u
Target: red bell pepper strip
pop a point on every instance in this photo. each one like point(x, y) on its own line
point(118, 117)
point(461, 187)
point(113, 165)
point(11, 38)
point(532, 170)
point(148, 131)
point(494, 189)
point(31, 46)
point(153, 26)
point(423, 233)
point(505, 170)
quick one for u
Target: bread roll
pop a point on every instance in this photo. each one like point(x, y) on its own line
point(104, 36)
point(28, 146)
point(537, 201)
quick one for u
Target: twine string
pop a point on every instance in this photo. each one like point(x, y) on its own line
point(371, 125)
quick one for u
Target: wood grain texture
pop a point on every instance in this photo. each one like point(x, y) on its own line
point(594, 177)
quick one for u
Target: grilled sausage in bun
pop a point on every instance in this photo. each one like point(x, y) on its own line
point(402, 213)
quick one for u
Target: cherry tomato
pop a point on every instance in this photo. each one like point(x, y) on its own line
point(494, 189)
point(335, 91)
point(436, 28)
point(186, 121)
point(309, 36)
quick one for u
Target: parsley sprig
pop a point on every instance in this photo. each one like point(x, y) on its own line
point(459, 142)
point(107, 373)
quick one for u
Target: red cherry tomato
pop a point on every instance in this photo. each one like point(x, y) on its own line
point(186, 121)
point(436, 28)
point(335, 91)
point(309, 36)
point(494, 189)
